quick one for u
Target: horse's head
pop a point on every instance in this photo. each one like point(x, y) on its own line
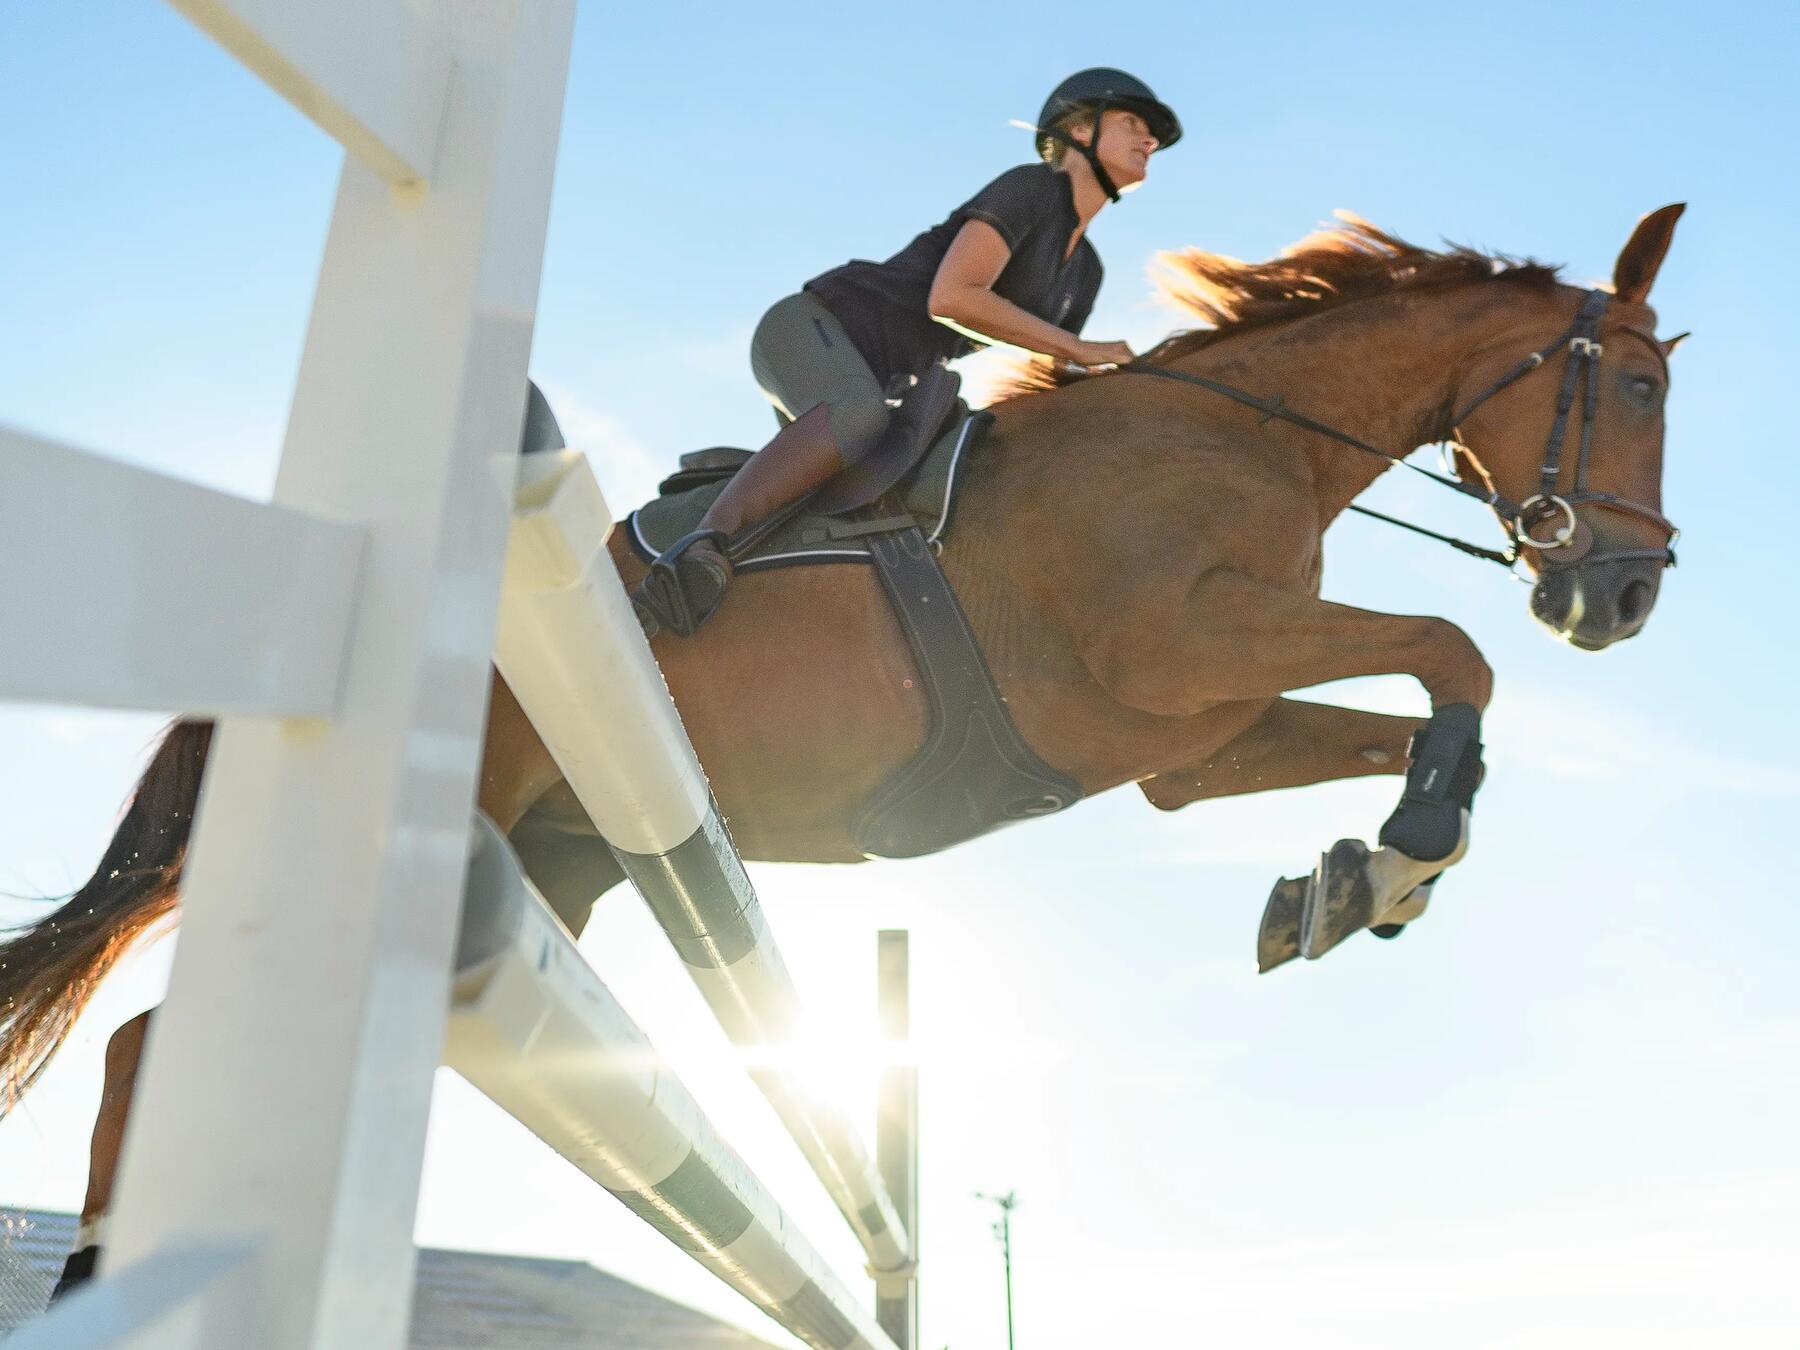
point(1575, 454)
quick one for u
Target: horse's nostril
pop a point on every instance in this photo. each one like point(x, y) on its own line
point(1634, 601)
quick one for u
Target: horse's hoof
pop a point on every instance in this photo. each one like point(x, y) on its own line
point(77, 1271)
point(1278, 940)
point(1339, 898)
point(1409, 907)
point(1354, 888)
point(1412, 905)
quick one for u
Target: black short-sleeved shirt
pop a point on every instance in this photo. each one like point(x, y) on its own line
point(883, 306)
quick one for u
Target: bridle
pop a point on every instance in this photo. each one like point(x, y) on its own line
point(1582, 338)
point(1572, 542)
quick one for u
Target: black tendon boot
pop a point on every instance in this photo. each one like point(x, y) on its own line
point(1440, 785)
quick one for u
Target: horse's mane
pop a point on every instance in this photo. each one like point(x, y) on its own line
point(1349, 261)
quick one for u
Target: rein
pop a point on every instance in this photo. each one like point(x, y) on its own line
point(1581, 338)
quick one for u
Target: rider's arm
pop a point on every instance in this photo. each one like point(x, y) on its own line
point(962, 296)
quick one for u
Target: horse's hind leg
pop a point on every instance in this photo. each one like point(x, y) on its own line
point(516, 767)
point(516, 771)
point(123, 1054)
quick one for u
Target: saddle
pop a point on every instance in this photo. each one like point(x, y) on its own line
point(974, 771)
point(926, 495)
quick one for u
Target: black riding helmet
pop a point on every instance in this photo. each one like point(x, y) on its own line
point(1099, 89)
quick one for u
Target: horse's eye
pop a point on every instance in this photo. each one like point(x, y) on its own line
point(1642, 389)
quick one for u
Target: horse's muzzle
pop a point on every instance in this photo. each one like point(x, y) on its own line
point(1592, 605)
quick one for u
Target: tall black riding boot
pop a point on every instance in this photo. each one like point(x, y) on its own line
point(686, 584)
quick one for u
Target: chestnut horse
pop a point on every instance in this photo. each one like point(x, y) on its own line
point(1140, 559)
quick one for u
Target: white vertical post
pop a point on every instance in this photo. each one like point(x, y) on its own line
point(289, 1073)
point(897, 1132)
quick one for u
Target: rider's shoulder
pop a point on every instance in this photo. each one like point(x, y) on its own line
point(1019, 200)
point(1036, 179)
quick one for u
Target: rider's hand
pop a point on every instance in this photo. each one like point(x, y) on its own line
point(1103, 354)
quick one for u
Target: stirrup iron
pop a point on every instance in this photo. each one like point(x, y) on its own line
point(681, 593)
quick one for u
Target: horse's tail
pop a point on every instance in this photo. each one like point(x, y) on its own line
point(49, 969)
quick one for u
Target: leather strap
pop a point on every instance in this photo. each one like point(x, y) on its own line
point(974, 771)
point(1581, 340)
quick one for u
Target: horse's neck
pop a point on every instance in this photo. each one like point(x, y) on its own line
point(1383, 370)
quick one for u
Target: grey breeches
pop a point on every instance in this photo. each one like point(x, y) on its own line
point(802, 357)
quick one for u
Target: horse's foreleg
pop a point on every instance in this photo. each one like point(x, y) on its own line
point(1234, 638)
point(1293, 744)
point(123, 1054)
point(1237, 638)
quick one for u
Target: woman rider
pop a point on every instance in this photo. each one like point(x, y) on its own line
point(1012, 264)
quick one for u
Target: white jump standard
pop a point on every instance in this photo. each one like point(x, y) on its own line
point(269, 1180)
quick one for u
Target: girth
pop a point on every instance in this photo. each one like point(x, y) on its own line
point(974, 771)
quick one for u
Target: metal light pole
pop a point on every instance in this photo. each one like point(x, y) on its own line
point(1003, 1231)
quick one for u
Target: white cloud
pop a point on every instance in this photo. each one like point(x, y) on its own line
point(1563, 737)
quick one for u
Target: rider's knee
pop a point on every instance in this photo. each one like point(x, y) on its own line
point(857, 425)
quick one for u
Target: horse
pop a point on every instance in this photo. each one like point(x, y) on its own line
point(1139, 559)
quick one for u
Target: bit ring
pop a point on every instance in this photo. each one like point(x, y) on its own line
point(1565, 535)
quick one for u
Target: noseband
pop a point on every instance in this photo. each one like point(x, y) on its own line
point(1572, 543)
point(1582, 339)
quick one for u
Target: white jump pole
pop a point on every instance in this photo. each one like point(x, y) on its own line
point(897, 1132)
point(575, 657)
point(535, 1029)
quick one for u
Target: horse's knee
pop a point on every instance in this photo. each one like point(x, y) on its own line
point(1461, 673)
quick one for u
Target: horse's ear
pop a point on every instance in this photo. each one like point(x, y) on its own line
point(1669, 344)
point(1635, 271)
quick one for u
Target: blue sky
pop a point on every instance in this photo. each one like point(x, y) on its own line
point(1558, 1112)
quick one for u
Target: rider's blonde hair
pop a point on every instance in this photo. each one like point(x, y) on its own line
point(1054, 150)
